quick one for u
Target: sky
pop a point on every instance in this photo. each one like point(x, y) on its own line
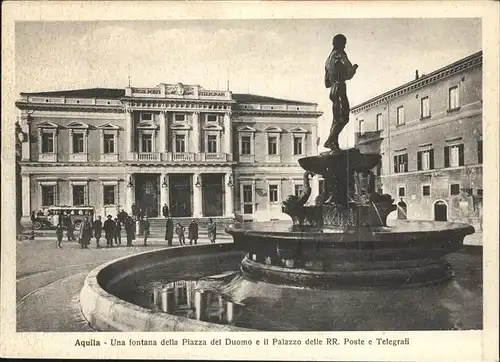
point(277, 58)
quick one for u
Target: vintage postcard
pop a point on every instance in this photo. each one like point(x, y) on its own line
point(250, 180)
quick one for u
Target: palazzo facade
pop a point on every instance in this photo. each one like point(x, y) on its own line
point(204, 153)
point(429, 132)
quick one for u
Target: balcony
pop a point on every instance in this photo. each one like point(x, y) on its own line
point(182, 157)
point(215, 157)
point(147, 156)
point(78, 157)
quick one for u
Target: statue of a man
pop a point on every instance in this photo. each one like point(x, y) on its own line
point(338, 69)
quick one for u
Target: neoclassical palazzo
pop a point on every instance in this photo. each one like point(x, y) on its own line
point(204, 153)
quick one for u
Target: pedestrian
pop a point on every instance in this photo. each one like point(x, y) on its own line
point(59, 234)
point(179, 230)
point(169, 231)
point(129, 230)
point(212, 230)
point(85, 233)
point(118, 232)
point(145, 229)
point(109, 230)
point(70, 228)
point(122, 216)
point(193, 232)
point(164, 210)
point(33, 217)
point(97, 226)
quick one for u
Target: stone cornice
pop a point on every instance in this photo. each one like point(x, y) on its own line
point(260, 112)
point(471, 61)
point(68, 107)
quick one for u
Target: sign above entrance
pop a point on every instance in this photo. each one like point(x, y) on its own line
point(178, 90)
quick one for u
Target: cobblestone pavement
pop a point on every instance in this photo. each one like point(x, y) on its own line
point(49, 281)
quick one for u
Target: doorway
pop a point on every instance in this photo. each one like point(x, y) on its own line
point(440, 211)
point(180, 191)
point(147, 193)
point(212, 194)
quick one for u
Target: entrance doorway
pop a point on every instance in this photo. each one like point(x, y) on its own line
point(180, 191)
point(147, 193)
point(212, 194)
point(440, 211)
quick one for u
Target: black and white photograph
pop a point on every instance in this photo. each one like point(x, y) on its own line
point(232, 175)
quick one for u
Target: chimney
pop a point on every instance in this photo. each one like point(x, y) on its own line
point(416, 74)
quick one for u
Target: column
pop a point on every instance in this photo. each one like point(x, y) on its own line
point(314, 141)
point(197, 209)
point(164, 182)
point(26, 128)
point(195, 136)
point(129, 193)
point(26, 199)
point(129, 133)
point(228, 133)
point(229, 201)
point(163, 126)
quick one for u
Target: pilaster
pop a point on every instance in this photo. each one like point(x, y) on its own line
point(26, 128)
point(129, 133)
point(228, 133)
point(229, 196)
point(197, 202)
point(164, 197)
point(129, 193)
point(26, 197)
point(195, 139)
point(162, 129)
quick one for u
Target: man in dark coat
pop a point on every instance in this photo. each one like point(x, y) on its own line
point(97, 230)
point(118, 231)
point(145, 229)
point(85, 233)
point(164, 210)
point(130, 230)
point(179, 230)
point(169, 231)
point(70, 228)
point(109, 231)
point(193, 232)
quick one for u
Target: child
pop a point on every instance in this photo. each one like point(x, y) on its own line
point(59, 233)
point(179, 230)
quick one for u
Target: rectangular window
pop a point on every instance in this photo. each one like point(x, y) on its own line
point(400, 116)
point(455, 189)
point(298, 189)
point(479, 151)
point(78, 195)
point(180, 143)
point(146, 117)
point(426, 190)
point(245, 145)
point(401, 191)
point(211, 118)
point(273, 193)
point(78, 143)
point(425, 111)
point(48, 195)
point(425, 160)
point(212, 144)
point(453, 98)
point(109, 194)
point(109, 143)
point(297, 145)
point(379, 122)
point(272, 144)
point(401, 163)
point(361, 126)
point(147, 143)
point(179, 117)
point(454, 156)
point(48, 142)
point(247, 199)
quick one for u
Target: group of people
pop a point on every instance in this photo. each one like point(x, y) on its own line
point(133, 226)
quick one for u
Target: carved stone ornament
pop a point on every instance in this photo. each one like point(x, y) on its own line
point(179, 89)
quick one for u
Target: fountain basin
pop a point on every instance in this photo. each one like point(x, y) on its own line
point(406, 253)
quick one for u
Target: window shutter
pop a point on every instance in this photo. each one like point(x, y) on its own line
point(431, 159)
point(406, 162)
point(419, 160)
point(446, 156)
point(395, 164)
point(461, 155)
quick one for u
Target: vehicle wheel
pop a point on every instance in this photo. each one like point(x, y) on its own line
point(37, 225)
point(78, 225)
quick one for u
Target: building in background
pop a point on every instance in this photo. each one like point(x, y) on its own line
point(429, 132)
point(205, 153)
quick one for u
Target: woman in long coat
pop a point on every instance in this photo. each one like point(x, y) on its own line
point(212, 230)
point(193, 232)
point(85, 233)
point(129, 230)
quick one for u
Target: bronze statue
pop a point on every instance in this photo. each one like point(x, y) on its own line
point(338, 69)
